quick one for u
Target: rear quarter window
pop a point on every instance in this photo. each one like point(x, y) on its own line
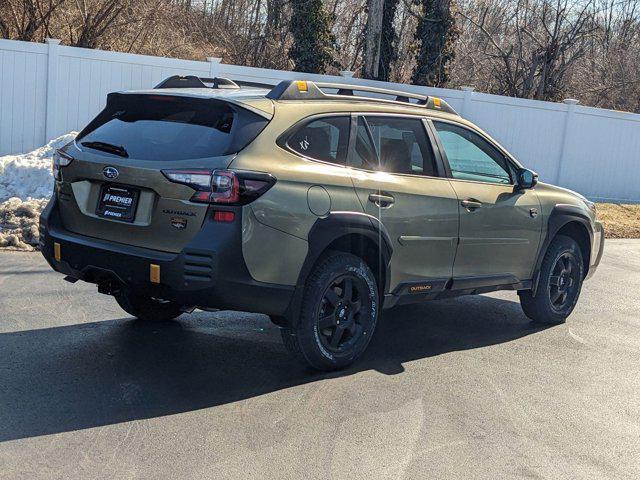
point(163, 127)
point(325, 139)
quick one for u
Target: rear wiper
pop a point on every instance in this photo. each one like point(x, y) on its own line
point(107, 147)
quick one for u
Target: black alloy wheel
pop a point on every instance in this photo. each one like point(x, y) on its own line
point(340, 313)
point(563, 281)
point(559, 283)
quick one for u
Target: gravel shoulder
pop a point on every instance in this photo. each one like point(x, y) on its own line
point(620, 220)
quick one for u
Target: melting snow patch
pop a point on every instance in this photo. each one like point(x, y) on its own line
point(28, 175)
point(25, 186)
point(19, 223)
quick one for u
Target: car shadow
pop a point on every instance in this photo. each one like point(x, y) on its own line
point(91, 374)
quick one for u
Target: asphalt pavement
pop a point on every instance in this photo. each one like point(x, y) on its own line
point(455, 389)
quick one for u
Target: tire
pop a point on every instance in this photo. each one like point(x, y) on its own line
point(338, 314)
point(559, 285)
point(147, 308)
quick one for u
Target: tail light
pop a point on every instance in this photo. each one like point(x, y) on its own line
point(226, 187)
point(60, 160)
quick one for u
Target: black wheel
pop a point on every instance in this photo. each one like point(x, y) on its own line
point(338, 314)
point(147, 308)
point(561, 276)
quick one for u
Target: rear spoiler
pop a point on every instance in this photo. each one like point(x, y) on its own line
point(265, 113)
point(191, 81)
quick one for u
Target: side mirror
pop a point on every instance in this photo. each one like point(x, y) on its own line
point(527, 179)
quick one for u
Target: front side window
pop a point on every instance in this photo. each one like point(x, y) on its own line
point(324, 139)
point(470, 156)
point(401, 145)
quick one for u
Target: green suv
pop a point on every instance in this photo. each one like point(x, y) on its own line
point(316, 204)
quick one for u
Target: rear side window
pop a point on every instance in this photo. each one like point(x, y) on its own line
point(324, 139)
point(162, 127)
point(401, 144)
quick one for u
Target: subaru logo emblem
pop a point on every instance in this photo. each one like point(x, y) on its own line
point(110, 172)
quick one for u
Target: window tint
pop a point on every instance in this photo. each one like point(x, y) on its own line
point(324, 139)
point(470, 156)
point(163, 127)
point(402, 145)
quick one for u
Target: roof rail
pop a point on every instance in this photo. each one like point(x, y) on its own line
point(191, 81)
point(307, 90)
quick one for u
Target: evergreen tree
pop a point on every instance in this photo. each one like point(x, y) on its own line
point(436, 35)
point(388, 40)
point(313, 43)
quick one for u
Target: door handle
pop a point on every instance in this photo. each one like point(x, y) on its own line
point(381, 200)
point(471, 204)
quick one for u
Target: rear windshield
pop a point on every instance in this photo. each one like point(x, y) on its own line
point(162, 127)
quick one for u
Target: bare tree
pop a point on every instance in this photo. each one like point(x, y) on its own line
point(26, 20)
point(272, 43)
point(4, 29)
point(373, 35)
point(350, 17)
point(380, 37)
point(96, 16)
point(541, 49)
point(609, 73)
point(532, 45)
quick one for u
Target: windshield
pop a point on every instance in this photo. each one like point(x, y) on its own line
point(162, 127)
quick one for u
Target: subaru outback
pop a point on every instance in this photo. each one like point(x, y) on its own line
point(317, 204)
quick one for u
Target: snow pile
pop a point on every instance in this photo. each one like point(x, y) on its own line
point(25, 187)
point(28, 175)
point(19, 223)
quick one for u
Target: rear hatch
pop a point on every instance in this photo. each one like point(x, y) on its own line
point(114, 187)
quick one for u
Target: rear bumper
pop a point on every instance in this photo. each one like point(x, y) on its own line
point(209, 272)
point(597, 248)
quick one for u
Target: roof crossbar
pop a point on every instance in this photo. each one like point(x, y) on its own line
point(307, 90)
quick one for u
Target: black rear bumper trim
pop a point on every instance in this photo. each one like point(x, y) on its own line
point(209, 272)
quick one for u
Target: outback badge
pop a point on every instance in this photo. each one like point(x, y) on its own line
point(425, 287)
point(179, 223)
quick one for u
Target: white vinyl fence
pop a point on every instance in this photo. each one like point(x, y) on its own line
point(47, 90)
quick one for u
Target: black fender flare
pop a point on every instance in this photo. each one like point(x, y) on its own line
point(328, 229)
point(561, 215)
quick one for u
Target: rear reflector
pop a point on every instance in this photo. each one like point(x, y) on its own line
point(220, 216)
point(56, 251)
point(154, 273)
